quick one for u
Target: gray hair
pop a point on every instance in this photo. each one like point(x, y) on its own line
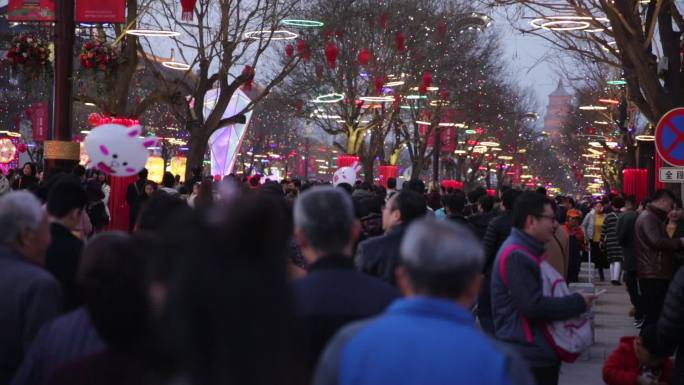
point(18, 210)
point(441, 257)
point(326, 216)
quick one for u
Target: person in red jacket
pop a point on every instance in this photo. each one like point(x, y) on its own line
point(638, 361)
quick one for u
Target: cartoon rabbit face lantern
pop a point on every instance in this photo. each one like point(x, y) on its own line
point(118, 150)
point(346, 175)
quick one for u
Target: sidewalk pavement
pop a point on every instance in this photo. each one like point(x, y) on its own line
point(611, 322)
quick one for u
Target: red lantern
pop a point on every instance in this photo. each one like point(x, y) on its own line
point(399, 39)
point(94, 119)
point(289, 50)
point(427, 79)
point(422, 90)
point(188, 8)
point(331, 52)
point(383, 20)
point(301, 46)
point(397, 100)
point(442, 28)
point(319, 71)
point(443, 94)
point(364, 57)
point(379, 82)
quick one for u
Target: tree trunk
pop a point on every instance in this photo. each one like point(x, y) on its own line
point(367, 163)
point(197, 148)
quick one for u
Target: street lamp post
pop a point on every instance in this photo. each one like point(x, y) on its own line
point(60, 151)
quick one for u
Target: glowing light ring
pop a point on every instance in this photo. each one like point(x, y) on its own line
point(572, 23)
point(459, 152)
point(303, 23)
point(152, 33)
point(439, 103)
point(174, 65)
point(616, 82)
point(272, 35)
point(377, 99)
point(593, 108)
point(423, 123)
point(489, 144)
point(447, 124)
point(470, 132)
point(426, 88)
point(415, 97)
point(329, 98)
point(609, 101)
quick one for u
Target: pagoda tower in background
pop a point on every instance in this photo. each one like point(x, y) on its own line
point(558, 109)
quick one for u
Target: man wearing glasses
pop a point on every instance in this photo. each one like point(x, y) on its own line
point(518, 303)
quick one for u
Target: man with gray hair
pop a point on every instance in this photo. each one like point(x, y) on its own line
point(29, 295)
point(333, 293)
point(430, 337)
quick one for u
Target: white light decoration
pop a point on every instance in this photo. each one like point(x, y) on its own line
point(439, 103)
point(427, 88)
point(601, 122)
point(394, 84)
point(423, 123)
point(645, 138)
point(505, 157)
point(271, 35)
point(329, 98)
point(593, 108)
point(480, 149)
point(152, 33)
point(489, 144)
point(460, 152)
point(174, 65)
point(377, 99)
point(595, 144)
point(445, 124)
point(415, 97)
point(302, 23)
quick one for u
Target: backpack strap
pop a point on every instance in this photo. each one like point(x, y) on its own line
point(525, 323)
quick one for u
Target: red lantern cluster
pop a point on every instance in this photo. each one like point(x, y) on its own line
point(95, 119)
point(95, 55)
point(28, 50)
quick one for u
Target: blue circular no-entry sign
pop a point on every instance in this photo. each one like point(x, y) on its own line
point(669, 137)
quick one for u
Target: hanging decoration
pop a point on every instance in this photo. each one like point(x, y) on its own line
point(364, 57)
point(249, 73)
point(319, 71)
point(400, 41)
point(30, 52)
point(383, 20)
point(331, 53)
point(188, 9)
point(98, 56)
point(118, 150)
point(289, 50)
point(303, 50)
point(379, 83)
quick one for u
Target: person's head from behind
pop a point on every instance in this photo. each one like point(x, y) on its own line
point(25, 225)
point(168, 180)
point(630, 203)
point(663, 200)
point(617, 203)
point(403, 207)
point(440, 259)
point(142, 174)
point(534, 215)
point(325, 223)
point(196, 187)
point(159, 210)
point(101, 177)
point(508, 198)
point(541, 190)
point(486, 204)
point(80, 172)
point(346, 187)
point(475, 195)
point(392, 183)
point(415, 185)
point(66, 201)
point(112, 278)
point(574, 217)
point(454, 203)
point(648, 350)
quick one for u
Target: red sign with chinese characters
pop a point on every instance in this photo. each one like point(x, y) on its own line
point(40, 121)
point(31, 10)
point(100, 11)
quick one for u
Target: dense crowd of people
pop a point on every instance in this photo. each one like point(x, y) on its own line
point(246, 281)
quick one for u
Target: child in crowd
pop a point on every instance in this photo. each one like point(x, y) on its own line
point(638, 361)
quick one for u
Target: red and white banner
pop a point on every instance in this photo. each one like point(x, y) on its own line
point(31, 10)
point(100, 11)
point(40, 121)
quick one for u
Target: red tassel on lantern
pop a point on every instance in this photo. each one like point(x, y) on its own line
point(188, 9)
point(289, 50)
point(248, 72)
point(331, 52)
point(399, 39)
point(364, 57)
point(427, 79)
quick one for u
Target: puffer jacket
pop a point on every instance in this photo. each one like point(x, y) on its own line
point(653, 248)
point(671, 325)
point(522, 298)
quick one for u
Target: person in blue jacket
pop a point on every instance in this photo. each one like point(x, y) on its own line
point(430, 336)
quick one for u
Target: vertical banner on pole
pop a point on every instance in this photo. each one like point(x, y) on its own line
point(100, 11)
point(31, 10)
point(39, 118)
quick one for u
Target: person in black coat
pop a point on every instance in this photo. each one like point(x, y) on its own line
point(379, 256)
point(66, 203)
point(135, 195)
point(671, 325)
point(480, 221)
point(498, 230)
point(28, 179)
point(333, 293)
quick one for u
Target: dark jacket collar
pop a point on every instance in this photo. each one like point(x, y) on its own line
point(662, 215)
point(401, 227)
point(533, 245)
point(332, 262)
point(431, 307)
